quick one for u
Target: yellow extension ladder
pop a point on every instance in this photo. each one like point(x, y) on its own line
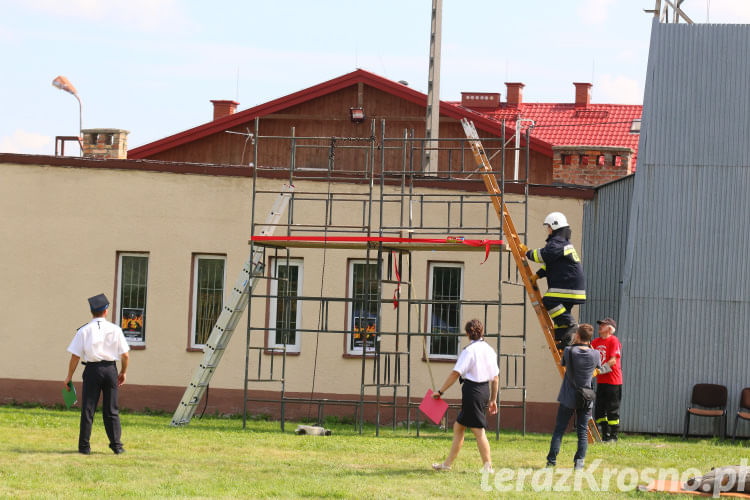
point(513, 241)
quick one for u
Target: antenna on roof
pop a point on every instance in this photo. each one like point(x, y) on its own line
point(593, 72)
point(664, 16)
point(237, 86)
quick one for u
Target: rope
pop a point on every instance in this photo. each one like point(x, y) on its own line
point(424, 348)
point(331, 157)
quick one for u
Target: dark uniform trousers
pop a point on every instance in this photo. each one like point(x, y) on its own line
point(560, 313)
point(607, 410)
point(100, 378)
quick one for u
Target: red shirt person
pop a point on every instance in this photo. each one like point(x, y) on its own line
point(609, 384)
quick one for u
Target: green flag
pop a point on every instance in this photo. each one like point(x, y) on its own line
point(69, 395)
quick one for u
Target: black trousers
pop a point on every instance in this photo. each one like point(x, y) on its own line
point(607, 409)
point(100, 379)
point(560, 312)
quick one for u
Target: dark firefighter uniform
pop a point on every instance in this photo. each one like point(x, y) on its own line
point(566, 284)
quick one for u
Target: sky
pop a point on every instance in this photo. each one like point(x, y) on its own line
point(152, 66)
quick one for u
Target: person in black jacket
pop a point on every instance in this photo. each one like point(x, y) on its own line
point(566, 284)
point(580, 361)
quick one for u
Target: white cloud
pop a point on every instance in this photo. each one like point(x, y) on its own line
point(594, 11)
point(24, 142)
point(617, 89)
point(149, 15)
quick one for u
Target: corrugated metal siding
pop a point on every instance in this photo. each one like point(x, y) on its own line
point(605, 227)
point(696, 107)
point(685, 299)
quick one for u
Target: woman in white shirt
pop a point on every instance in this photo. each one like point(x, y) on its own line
point(477, 369)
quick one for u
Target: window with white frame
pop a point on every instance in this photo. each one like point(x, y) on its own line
point(132, 284)
point(208, 296)
point(363, 306)
point(446, 288)
point(285, 311)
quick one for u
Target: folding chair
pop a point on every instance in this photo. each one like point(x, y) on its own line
point(744, 410)
point(708, 400)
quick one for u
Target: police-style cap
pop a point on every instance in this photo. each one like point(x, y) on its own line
point(98, 303)
point(608, 321)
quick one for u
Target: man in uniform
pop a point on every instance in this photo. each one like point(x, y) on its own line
point(99, 344)
point(608, 382)
point(566, 283)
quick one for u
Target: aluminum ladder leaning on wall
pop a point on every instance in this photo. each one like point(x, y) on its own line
point(514, 244)
point(229, 317)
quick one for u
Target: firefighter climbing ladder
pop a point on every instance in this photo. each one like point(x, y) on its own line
point(514, 244)
point(230, 315)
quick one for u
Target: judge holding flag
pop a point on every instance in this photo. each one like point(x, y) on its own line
point(99, 344)
point(477, 371)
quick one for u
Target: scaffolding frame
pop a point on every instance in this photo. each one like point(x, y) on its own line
point(384, 370)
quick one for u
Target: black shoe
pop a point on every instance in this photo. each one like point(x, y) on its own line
point(568, 337)
point(84, 452)
point(117, 450)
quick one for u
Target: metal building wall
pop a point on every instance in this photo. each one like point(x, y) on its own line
point(605, 228)
point(685, 297)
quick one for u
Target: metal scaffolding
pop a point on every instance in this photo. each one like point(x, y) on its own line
point(381, 176)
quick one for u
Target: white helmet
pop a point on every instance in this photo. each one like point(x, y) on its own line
point(556, 220)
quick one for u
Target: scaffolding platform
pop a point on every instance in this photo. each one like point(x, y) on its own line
point(381, 210)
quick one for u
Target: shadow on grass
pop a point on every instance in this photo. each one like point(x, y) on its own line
point(28, 451)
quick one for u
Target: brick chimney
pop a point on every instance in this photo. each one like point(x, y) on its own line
point(583, 94)
point(105, 143)
point(514, 93)
point(224, 108)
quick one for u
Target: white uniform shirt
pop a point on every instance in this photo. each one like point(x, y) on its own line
point(99, 340)
point(477, 362)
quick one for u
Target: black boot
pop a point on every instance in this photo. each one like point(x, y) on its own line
point(604, 431)
point(613, 429)
point(564, 336)
point(568, 337)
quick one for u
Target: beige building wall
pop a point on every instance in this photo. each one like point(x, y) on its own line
point(63, 228)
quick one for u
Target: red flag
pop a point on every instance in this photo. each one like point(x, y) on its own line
point(433, 408)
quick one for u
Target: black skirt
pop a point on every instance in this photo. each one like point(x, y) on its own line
point(475, 396)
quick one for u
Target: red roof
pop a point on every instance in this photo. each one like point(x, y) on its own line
point(564, 124)
point(482, 122)
point(555, 124)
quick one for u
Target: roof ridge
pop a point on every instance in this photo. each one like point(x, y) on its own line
point(447, 108)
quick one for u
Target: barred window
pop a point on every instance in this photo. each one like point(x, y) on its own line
point(208, 296)
point(285, 309)
point(132, 285)
point(445, 316)
point(363, 308)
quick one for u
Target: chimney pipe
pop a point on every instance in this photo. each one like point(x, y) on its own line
point(224, 108)
point(583, 94)
point(514, 93)
point(105, 143)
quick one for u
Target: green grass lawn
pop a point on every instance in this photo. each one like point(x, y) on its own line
point(216, 458)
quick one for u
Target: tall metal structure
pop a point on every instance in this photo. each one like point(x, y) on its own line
point(670, 241)
point(369, 201)
point(663, 15)
point(432, 121)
